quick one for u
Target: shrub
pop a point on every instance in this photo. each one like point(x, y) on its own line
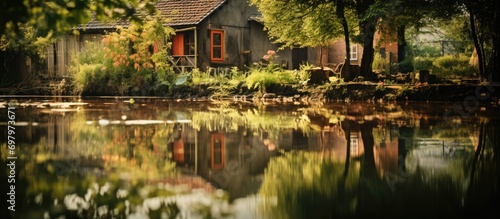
point(260, 78)
point(422, 63)
point(449, 65)
point(406, 66)
point(379, 63)
point(130, 57)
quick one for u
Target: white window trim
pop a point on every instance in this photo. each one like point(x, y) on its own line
point(354, 52)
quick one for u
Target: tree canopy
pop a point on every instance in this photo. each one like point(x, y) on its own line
point(293, 23)
point(62, 15)
point(290, 21)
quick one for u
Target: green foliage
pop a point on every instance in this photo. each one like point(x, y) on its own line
point(262, 76)
point(296, 23)
point(452, 65)
point(379, 63)
point(304, 73)
point(60, 16)
point(319, 188)
point(449, 61)
point(125, 59)
point(260, 79)
point(406, 66)
point(28, 43)
point(422, 63)
point(199, 77)
point(86, 68)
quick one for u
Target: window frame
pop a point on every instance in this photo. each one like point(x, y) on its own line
point(217, 149)
point(213, 46)
point(353, 52)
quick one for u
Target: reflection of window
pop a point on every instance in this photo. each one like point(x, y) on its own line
point(354, 144)
point(217, 151)
point(217, 46)
point(178, 151)
point(354, 52)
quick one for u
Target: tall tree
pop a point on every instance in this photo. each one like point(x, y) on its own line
point(484, 18)
point(307, 23)
point(367, 27)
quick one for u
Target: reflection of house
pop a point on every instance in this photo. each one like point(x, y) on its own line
point(334, 140)
point(293, 139)
point(231, 160)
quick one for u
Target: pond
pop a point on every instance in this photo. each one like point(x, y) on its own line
point(157, 158)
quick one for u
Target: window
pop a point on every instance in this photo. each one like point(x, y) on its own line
point(354, 144)
point(217, 151)
point(189, 43)
point(183, 43)
point(354, 52)
point(217, 45)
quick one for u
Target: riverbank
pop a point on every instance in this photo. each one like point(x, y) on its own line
point(352, 91)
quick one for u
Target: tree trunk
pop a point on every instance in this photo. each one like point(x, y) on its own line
point(347, 131)
point(401, 43)
point(346, 69)
point(493, 70)
point(478, 45)
point(368, 51)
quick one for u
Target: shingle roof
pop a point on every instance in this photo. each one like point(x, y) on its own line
point(177, 12)
point(95, 24)
point(187, 12)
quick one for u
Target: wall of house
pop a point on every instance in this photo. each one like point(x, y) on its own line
point(382, 44)
point(336, 53)
point(388, 48)
point(59, 54)
point(260, 44)
point(232, 18)
point(245, 41)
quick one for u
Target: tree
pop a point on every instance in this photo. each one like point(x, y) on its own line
point(306, 23)
point(293, 23)
point(62, 15)
point(28, 26)
point(484, 19)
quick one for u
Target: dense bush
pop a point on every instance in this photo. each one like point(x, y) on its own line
point(449, 65)
point(133, 57)
point(422, 63)
point(406, 66)
point(380, 63)
point(264, 75)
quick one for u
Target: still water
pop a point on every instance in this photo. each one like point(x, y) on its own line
point(155, 158)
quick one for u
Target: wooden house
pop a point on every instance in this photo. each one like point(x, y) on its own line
point(210, 34)
point(222, 34)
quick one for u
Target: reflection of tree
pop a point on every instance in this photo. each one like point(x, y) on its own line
point(313, 192)
point(229, 119)
point(371, 187)
point(483, 193)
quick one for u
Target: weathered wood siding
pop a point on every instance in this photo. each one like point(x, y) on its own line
point(59, 54)
point(245, 41)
